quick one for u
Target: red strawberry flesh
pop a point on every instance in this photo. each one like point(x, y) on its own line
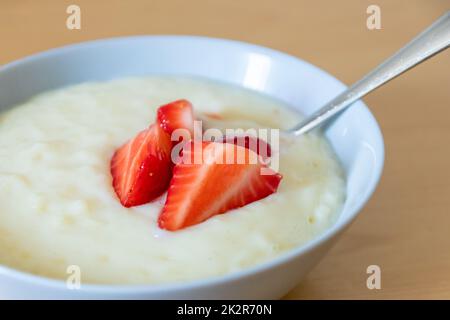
point(141, 169)
point(176, 115)
point(200, 191)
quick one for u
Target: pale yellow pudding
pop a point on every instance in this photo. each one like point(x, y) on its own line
point(58, 207)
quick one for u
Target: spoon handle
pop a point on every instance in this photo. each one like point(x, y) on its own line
point(434, 39)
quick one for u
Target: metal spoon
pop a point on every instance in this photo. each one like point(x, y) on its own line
point(430, 42)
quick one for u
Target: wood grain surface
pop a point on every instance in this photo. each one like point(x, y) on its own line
point(405, 228)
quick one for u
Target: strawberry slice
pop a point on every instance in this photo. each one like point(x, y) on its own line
point(200, 191)
point(141, 169)
point(176, 115)
point(255, 144)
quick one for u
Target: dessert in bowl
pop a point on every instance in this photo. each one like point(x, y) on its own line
point(59, 189)
point(59, 206)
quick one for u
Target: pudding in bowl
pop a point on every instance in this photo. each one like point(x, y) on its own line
point(58, 207)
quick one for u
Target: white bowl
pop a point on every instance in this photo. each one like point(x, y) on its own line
point(355, 137)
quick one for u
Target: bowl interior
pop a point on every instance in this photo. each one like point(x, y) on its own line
point(355, 135)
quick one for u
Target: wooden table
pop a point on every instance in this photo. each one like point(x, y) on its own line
point(405, 228)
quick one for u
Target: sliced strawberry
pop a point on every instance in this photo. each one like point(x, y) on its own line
point(200, 191)
point(255, 144)
point(176, 115)
point(141, 169)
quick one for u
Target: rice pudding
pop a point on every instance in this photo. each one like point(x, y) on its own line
point(58, 207)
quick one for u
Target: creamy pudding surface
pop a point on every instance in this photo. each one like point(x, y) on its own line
point(58, 207)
